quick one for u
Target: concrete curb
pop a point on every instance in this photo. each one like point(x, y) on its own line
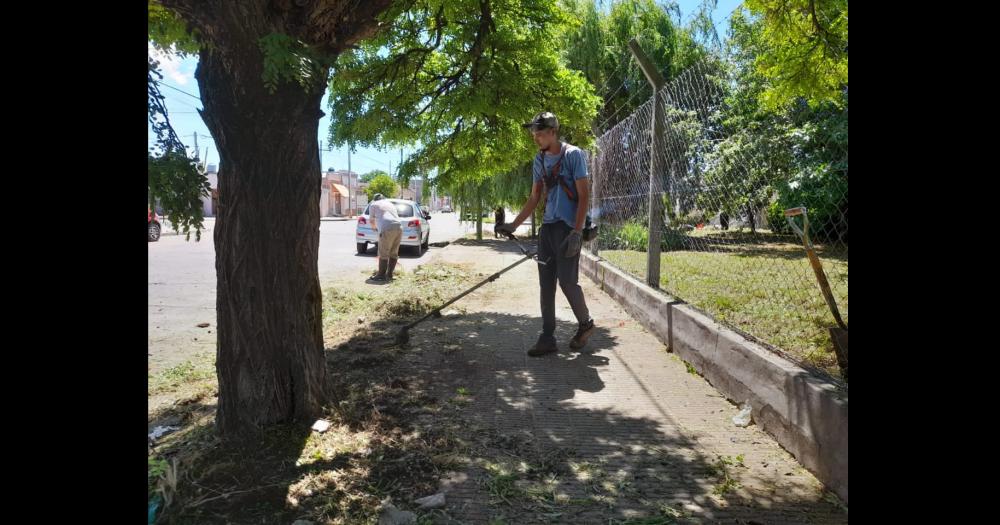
point(805, 413)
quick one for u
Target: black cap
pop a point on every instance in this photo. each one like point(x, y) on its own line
point(542, 121)
point(378, 197)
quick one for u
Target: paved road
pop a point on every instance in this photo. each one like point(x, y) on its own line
point(181, 282)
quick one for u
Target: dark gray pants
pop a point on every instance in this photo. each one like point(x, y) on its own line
point(559, 267)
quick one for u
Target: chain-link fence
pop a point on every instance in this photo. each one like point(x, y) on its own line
point(723, 185)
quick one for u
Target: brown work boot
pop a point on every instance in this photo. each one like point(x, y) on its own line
point(582, 334)
point(545, 345)
point(383, 265)
point(392, 268)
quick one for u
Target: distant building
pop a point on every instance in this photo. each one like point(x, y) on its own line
point(340, 194)
point(210, 204)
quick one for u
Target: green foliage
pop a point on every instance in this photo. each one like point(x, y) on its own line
point(173, 179)
point(459, 77)
point(176, 184)
point(167, 32)
point(775, 158)
point(370, 176)
point(598, 47)
point(289, 60)
point(806, 43)
point(382, 184)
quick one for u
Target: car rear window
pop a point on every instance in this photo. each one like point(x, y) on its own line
point(404, 210)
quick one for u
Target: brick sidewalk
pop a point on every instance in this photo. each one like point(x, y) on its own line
point(622, 429)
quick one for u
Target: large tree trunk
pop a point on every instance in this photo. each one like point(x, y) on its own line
point(270, 359)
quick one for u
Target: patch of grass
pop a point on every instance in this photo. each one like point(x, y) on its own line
point(832, 498)
point(157, 468)
point(721, 468)
point(345, 312)
point(510, 484)
point(584, 471)
point(670, 512)
point(723, 304)
point(503, 488)
point(339, 304)
point(189, 372)
point(766, 289)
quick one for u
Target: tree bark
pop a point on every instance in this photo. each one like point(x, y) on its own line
point(270, 359)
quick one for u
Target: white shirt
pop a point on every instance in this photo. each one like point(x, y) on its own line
point(383, 212)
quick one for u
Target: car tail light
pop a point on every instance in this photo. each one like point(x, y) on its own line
point(361, 220)
point(414, 224)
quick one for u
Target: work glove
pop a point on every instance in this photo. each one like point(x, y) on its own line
point(573, 243)
point(506, 228)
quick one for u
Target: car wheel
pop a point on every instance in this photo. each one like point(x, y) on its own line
point(153, 232)
point(362, 248)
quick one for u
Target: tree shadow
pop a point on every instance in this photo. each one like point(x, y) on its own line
point(462, 409)
point(530, 437)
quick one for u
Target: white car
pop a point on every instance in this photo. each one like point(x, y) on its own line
point(416, 227)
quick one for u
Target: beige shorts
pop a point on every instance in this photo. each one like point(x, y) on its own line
point(388, 242)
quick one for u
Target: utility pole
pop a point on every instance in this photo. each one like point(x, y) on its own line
point(349, 174)
point(197, 152)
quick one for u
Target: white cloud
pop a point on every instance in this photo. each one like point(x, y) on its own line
point(170, 65)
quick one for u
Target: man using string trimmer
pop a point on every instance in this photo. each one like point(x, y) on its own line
point(560, 170)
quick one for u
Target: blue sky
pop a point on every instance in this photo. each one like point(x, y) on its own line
point(720, 16)
point(181, 94)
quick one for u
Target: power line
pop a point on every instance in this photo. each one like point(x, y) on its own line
point(184, 102)
point(181, 91)
point(382, 162)
point(373, 160)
